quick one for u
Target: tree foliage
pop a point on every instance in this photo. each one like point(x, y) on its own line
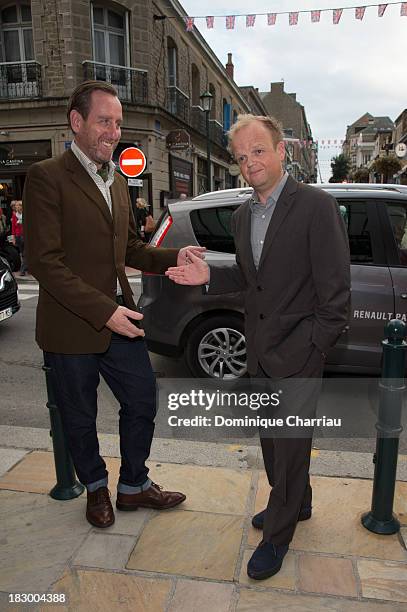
point(386, 166)
point(340, 166)
point(361, 175)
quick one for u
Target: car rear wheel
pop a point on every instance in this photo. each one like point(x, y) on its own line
point(216, 348)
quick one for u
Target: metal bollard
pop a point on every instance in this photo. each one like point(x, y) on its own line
point(67, 487)
point(381, 519)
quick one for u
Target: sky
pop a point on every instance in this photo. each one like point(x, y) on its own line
point(338, 72)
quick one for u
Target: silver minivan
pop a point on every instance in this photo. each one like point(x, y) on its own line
point(207, 330)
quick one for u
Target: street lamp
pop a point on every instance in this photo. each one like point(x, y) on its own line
point(206, 103)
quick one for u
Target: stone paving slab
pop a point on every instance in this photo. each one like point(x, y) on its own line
point(258, 601)
point(200, 596)
point(38, 536)
point(110, 592)
point(9, 457)
point(194, 544)
point(335, 526)
point(327, 575)
point(383, 580)
point(105, 551)
point(216, 490)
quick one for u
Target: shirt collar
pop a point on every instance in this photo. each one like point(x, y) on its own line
point(88, 164)
point(273, 197)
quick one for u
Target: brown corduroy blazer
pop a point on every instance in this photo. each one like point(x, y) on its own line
point(76, 249)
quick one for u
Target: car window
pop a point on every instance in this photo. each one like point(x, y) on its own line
point(356, 221)
point(398, 221)
point(212, 228)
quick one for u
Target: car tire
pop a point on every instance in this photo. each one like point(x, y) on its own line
point(206, 354)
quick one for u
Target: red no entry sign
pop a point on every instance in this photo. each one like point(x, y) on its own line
point(132, 162)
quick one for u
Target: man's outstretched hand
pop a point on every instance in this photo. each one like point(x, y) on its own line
point(194, 273)
point(119, 322)
point(182, 258)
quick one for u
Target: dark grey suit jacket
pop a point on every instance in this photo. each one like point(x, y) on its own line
point(298, 299)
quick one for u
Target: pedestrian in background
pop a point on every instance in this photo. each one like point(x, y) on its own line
point(144, 219)
point(17, 232)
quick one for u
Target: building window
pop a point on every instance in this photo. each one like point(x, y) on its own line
point(227, 111)
point(172, 54)
point(196, 85)
point(20, 77)
point(16, 36)
point(110, 36)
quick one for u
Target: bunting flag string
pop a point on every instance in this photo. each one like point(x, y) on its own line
point(326, 143)
point(189, 24)
point(230, 22)
point(293, 16)
point(360, 12)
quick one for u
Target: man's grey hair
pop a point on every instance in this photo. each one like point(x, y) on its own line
point(270, 123)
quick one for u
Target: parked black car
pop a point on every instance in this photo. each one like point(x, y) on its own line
point(208, 330)
point(9, 303)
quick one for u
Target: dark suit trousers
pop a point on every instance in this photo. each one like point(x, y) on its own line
point(287, 459)
point(127, 370)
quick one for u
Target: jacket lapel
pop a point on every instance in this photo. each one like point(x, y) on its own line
point(82, 179)
point(247, 251)
point(283, 206)
point(115, 193)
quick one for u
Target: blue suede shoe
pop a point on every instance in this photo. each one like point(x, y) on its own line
point(266, 560)
point(258, 519)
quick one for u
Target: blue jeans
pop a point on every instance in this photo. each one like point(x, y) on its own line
point(127, 370)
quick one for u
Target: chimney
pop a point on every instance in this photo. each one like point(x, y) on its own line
point(230, 67)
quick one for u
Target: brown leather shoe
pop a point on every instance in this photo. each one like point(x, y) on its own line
point(153, 497)
point(99, 510)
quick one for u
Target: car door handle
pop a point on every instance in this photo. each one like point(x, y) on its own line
point(403, 296)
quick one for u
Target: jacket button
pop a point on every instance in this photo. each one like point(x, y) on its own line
point(262, 316)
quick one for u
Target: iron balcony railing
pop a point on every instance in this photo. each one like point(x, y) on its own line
point(131, 83)
point(178, 103)
point(216, 131)
point(20, 80)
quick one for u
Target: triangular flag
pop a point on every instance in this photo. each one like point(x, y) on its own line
point(230, 22)
point(380, 9)
point(403, 10)
point(271, 18)
point(209, 22)
point(250, 19)
point(315, 16)
point(360, 12)
point(337, 14)
point(293, 18)
point(189, 23)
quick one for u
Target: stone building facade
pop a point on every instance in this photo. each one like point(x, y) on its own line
point(47, 47)
point(301, 149)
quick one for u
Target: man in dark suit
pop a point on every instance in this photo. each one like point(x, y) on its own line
point(80, 234)
point(292, 263)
